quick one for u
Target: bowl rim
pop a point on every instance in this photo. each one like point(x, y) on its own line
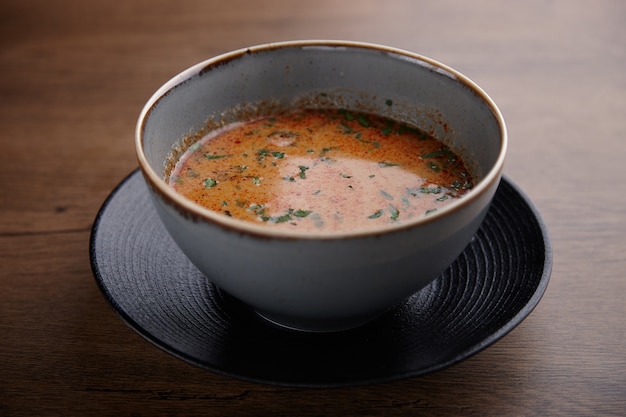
point(198, 213)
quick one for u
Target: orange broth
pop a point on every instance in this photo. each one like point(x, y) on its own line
point(321, 170)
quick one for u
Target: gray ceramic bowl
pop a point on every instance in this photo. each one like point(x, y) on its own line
point(337, 280)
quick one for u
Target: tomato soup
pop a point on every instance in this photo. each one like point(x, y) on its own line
point(321, 170)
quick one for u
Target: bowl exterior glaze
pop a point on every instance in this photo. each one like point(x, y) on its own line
point(324, 281)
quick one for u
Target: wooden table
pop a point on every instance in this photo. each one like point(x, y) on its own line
point(73, 78)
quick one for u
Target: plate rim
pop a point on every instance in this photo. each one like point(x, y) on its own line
point(464, 354)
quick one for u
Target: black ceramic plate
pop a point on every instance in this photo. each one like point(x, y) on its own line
point(489, 290)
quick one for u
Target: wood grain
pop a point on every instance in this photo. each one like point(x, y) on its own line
point(73, 78)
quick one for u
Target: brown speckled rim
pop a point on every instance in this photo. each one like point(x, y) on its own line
point(194, 211)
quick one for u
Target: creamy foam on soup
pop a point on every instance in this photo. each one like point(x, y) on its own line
point(321, 170)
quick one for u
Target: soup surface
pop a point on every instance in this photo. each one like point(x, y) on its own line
point(321, 170)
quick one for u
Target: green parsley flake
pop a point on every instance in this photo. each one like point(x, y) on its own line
point(395, 213)
point(301, 213)
point(281, 219)
point(430, 190)
point(209, 183)
point(386, 195)
point(211, 157)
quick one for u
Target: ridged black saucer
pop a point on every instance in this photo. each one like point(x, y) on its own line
point(490, 289)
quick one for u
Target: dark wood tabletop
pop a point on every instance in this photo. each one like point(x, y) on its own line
point(74, 76)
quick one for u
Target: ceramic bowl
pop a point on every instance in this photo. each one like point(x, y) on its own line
point(335, 280)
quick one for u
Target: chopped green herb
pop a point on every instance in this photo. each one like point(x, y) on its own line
point(389, 102)
point(209, 156)
point(430, 190)
point(256, 180)
point(301, 213)
point(386, 195)
point(458, 185)
point(345, 175)
point(363, 120)
point(376, 214)
point(209, 183)
point(395, 213)
point(427, 212)
point(387, 130)
point(261, 154)
point(278, 155)
point(257, 209)
point(281, 219)
point(302, 173)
